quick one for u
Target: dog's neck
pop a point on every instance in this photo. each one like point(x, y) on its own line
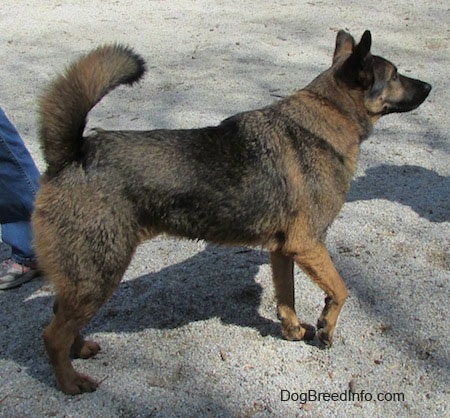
point(343, 128)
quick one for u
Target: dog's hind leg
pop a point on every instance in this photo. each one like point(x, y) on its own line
point(84, 240)
point(77, 302)
point(315, 260)
point(283, 279)
point(78, 298)
point(59, 337)
point(81, 348)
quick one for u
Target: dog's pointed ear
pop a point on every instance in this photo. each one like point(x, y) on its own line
point(362, 50)
point(357, 70)
point(344, 45)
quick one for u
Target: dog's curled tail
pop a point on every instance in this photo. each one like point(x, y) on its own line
point(63, 108)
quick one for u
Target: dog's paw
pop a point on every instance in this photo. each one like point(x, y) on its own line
point(298, 332)
point(84, 349)
point(89, 349)
point(78, 383)
point(293, 332)
point(325, 340)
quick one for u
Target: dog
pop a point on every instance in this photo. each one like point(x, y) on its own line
point(275, 177)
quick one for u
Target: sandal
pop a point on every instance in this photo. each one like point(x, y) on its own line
point(13, 274)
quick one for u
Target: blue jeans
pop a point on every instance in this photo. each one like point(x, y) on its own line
point(19, 182)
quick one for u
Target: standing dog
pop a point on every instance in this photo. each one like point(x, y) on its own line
point(275, 177)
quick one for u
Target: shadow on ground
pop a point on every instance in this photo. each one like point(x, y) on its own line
point(215, 283)
point(423, 190)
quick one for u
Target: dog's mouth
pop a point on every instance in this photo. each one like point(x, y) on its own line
point(410, 103)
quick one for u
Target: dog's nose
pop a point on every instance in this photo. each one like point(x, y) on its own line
point(427, 87)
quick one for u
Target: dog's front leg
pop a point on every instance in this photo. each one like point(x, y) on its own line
point(283, 279)
point(316, 262)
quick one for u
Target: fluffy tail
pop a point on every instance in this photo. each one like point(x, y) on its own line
point(63, 108)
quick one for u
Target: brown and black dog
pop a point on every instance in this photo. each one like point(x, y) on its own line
point(274, 177)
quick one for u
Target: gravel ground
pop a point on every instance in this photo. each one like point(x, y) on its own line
point(192, 330)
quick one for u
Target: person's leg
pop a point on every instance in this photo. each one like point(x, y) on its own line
point(19, 236)
point(19, 182)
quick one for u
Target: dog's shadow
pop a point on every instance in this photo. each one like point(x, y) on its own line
point(215, 283)
point(425, 191)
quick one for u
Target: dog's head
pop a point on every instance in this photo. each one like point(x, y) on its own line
point(385, 90)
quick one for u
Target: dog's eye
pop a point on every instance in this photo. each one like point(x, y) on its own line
point(394, 76)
